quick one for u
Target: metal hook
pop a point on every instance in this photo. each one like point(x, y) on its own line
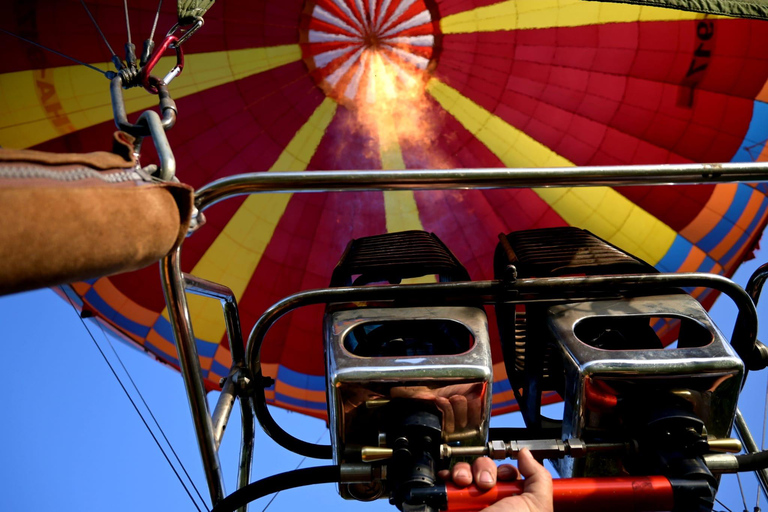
point(170, 41)
point(152, 121)
point(167, 107)
point(188, 33)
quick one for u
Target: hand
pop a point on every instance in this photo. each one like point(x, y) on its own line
point(537, 494)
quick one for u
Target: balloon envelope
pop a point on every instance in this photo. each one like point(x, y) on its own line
point(302, 85)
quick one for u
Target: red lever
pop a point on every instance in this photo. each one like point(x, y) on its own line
point(625, 494)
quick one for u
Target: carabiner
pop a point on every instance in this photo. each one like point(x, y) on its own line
point(188, 33)
point(170, 41)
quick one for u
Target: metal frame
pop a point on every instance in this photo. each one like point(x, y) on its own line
point(245, 375)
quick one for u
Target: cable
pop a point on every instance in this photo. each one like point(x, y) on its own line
point(280, 436)
point(127, 21)
point(133, 403)
point(157, 16)
point(297, 467)
point(103, 37)
point(752, 461)
point(723, 505)
point(105, 73)
point(762, 440)
point(154, 419)
point(741, 489)
point(277, 483)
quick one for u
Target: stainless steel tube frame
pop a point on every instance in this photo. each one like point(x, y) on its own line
point(523, 290)
point(178, 312)
point(232, 384)
point(334, 181)
point(229, 390)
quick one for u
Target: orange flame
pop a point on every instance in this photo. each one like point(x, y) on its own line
point(393, 109)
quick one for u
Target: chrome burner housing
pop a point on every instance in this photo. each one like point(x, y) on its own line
point(433, 358)
point(606, 385)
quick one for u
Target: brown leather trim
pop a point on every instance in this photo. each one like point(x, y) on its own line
point(54, 231)
point(102, 160)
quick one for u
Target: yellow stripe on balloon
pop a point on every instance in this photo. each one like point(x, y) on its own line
point(400, 208)
point(601, 210)
point(40, 105)
point(233, 257)
point(533, 14)
point(512, 146)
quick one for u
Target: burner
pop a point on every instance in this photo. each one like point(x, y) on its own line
point(365, 51)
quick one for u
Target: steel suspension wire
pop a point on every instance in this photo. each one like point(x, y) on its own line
point(157, 16)
point(723, 505)
point(303, 459)
point(136, 408)
point(154, 419)
point(100, 71)
point(103, 37)
point(127, 21)
point(762, 439)
point(741, 489)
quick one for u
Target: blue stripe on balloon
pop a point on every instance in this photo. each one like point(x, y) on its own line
point(757, 134)
point(108, 312)
point(204, 348)
point(301, 380)
point(297, 402)
point(745, 236)
point(721, 230)
point(675, 256)
point(219, 369)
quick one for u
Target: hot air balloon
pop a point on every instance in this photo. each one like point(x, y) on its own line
point(301, 87)
point(411, 84)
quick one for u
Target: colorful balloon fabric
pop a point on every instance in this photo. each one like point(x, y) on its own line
point(304, 85)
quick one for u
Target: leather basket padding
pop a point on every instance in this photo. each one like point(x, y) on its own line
point(52, 234)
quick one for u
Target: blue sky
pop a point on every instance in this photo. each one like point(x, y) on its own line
point(72, 441)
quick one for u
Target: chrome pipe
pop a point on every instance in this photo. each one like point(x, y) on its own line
point(226, 401)
point(223, 410)
point(750, 446)
point(205, 288)
point(336, 181)
point(189, 363)
point(520, 291)
point(756, 282)
point(247, 441)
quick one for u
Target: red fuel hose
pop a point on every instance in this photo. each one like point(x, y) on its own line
point(626, 494)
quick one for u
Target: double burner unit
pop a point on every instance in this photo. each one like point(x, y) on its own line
point(409, 380)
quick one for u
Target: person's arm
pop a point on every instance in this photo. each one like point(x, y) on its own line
point(537, 494)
